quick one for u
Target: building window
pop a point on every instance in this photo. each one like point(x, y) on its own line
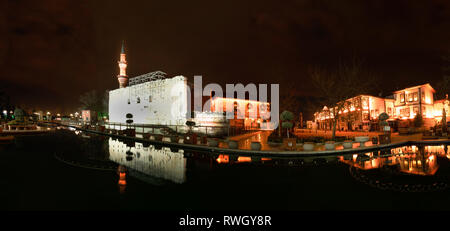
point(423, 96)
point(138, 100)
point(150, 98)
point(402, 97)
point(404, 112)
point(389, 111)
point(128, 101)
point(415, 96)
point(365, 116)
point(410, 97)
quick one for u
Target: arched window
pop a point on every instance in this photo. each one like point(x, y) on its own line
point(138, 100)
point(128, 101)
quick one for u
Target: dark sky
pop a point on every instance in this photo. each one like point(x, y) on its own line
point(51, 51)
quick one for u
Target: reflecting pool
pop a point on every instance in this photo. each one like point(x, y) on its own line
point(70, 170)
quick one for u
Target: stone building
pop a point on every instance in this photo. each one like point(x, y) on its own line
point(403, 106)
point(155, 99)
point(360, 113)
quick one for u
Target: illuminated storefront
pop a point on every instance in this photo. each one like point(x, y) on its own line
point(248, 114)
point(403, 105)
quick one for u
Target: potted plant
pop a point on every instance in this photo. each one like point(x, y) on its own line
point(159, 137)
point(130, 131)
point(362, 140)
point(348, 144)
point(286, 118)
point(255, 145)
point(233, 144)
point(190, 137)
point(146, 135)
point(308, 146)
point(213, 142)
point(330, 145)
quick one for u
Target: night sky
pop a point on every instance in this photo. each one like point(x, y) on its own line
point(51, 51)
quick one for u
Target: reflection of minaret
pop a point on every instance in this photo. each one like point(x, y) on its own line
point(122, 77)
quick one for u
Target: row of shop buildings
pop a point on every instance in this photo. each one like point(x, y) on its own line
point(362, 111)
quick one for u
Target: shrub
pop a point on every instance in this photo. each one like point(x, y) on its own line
point(418, 121)
point(286, 117)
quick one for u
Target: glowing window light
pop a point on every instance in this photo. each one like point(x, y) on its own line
point(242, 159)
point(222, 159)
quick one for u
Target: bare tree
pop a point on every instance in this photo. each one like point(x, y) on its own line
point(336, 87)
point(443, 86)
point(91, 100)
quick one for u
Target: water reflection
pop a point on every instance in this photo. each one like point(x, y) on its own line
point(244, 141)
point(122, 172)
point(226, 159)
point(409, 159)
point(148, 162)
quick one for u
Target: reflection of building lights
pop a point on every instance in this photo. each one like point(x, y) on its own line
point(122, 178)
point(222, 159)
point(244, 159)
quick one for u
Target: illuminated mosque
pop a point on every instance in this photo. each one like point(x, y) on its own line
point(156, 99)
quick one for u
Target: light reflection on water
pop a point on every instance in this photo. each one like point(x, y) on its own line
point(163, 163)
point(149, 163)
point(414, 160)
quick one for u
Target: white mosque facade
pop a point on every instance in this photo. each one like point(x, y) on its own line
point(150, 98)
point(162, 101)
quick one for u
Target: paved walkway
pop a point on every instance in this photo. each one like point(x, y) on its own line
point(244, 141)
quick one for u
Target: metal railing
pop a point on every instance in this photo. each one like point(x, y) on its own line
point(167, 129)
point(171, 129)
